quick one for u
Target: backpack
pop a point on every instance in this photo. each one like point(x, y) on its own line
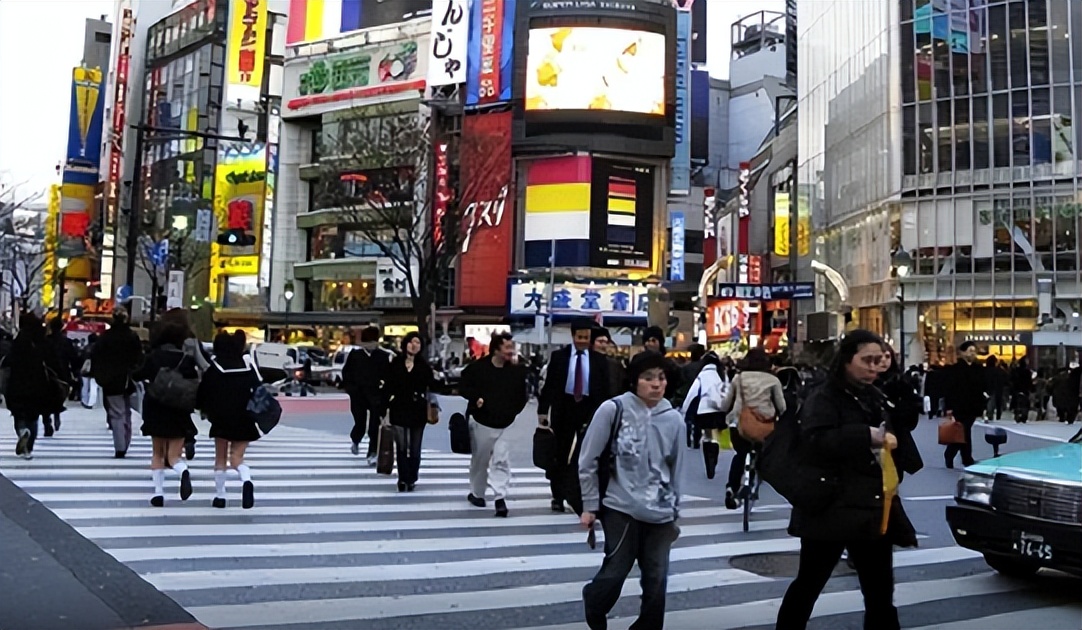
point(607, 460)
point(781, 464)
point(264, 409)
point(171, 389)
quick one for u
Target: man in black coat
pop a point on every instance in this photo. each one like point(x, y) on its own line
point(363, 377)
point(117, 354)
point(966, 399)
point(576, 383)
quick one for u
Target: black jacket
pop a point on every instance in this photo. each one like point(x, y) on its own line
point(363, 376)
point(159, 358)
point(224, 396)
point(965, 392)
point(406, 392)
point(28, 386)
point(67, 356)
point(502, 389)
point(116, 355)
point(598, 390)
point(903, 406)
point(835, 436)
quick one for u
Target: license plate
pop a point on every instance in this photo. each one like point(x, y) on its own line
point(1032, 546)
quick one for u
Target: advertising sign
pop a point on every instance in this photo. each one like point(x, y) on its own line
point(576, 299)
point(239, 198)
point(585, 67)
point(76, 206)
point(781, 223)
point(488, 219)
point(699, 114)
point(442, 194)
point(767, 292)
point(310, 20)
point(490, 58)
point(676, 256)
point(700, 29)
point(120, 119)
point(726, 319)
point(680, 183)
point(248, 42)
point(621, 215)
point(363, 72)
point(447, 47)
point(174, 296)
point(85, 127)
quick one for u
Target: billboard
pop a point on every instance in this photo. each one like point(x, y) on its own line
point(487, 220)
point(239, 196)
point(449, 42)
point(247, 42)
point(621, 215)
point(557, 212)
point(83, 158)
point(310, 20)
point(586, 67)
point(699, 30)
point(570, 299)
point(491, 51)
point(676, 250)
point(700, 117)
point(680, 182)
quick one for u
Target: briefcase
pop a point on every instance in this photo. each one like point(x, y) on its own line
point(544, 448)
point(460, 434)
point(951, 431)
point(385, 451)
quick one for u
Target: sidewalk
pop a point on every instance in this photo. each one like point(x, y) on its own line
point(52, 578)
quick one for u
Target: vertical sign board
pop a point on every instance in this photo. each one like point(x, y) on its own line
point(248, 42)
point(621, 215)
point(681, 163)
point(490, 58)
point(448, 44)
point(442, 194)
point(120, 119)
point(676, 261)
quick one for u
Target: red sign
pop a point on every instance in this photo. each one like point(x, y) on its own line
point(120, 115)
point(443, 194)
point(488, 216)
point(726, 319)
point(491, 51)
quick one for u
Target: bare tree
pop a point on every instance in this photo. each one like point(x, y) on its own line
point(390, 179)
point(162, 251)
point(24, 249)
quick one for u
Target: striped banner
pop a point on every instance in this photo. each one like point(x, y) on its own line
point(621, 210)
point(310, 20)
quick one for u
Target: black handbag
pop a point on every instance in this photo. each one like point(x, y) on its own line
point(264, 409)
point(385, 451)
point(171, 389)
point(460, 434)
point(57, 389)
point(544, 448)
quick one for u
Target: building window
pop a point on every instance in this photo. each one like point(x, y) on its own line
point(343, 295)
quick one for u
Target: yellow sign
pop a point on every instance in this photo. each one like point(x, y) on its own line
point(238, 266)
point(781, 224)
point(803, 236)
point(87, 88)
point(48, 269)
point(247, 42)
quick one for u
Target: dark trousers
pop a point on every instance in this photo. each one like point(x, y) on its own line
point(874, 564)
point(568, 423)
point(995, 405)
point(741, 448)
point(50, 421)
point(628, 541)
point(965, 449)
point(407, 443)
point(30, 423)
point(365, 420)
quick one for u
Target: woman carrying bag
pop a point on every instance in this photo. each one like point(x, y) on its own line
point(708, 392)
point(223, 396)
point(412, 405)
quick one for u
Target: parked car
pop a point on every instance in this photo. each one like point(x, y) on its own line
point(1023, 511)
point(276, 361)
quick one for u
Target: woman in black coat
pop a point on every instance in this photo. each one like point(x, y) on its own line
point(29, 392)
point(903, 406)
point(224, 393)
point(842, 427)
point(167, 426)
point(408, 392)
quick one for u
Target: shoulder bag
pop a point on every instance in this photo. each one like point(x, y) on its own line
point(752, 425)
point(173, 390)
point(607, 460)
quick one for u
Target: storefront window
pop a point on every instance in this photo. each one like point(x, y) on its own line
point(997, 327)
point(242, 292)
point(350, 295)
point(326, 243)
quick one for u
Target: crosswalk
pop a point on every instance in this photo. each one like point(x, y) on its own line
point(330, 545)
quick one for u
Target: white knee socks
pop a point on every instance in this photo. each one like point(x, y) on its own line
point(159, 479)
point(244, 472)
point(180, 467)
point(219, 484)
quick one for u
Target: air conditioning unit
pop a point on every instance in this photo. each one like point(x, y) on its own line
point(821, 326)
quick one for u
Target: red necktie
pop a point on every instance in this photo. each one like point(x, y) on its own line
point(578, 377)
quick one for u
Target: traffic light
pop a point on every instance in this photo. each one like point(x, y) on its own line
point(236, 237)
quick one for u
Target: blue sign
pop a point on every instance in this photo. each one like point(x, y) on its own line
point(676, 260)
point(83, 157)
point(681, 163)
point(488, 80)
point(123, 293)
point(754, 292)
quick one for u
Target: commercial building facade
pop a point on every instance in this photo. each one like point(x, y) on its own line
point(947, 130)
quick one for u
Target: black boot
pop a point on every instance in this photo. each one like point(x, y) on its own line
point(711, 450)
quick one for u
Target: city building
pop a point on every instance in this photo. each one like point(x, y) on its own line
point(939, 148)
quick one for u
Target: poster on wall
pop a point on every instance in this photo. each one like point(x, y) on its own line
point(621, 215)
point(491, 47)
point(448, 43)
point(83, 158)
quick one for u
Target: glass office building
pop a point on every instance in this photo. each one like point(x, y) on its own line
point(952, 131)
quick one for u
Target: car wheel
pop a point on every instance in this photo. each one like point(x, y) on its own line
point(1010, 566)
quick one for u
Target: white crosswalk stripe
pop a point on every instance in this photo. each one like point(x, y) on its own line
point(330, 544)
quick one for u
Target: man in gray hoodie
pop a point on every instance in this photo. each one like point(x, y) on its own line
point(638, 437)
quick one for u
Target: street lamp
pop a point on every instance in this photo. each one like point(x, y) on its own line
point(902, 262)
point(62, 265)
point(288, 295)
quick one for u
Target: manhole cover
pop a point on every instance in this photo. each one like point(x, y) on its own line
point(778, 565)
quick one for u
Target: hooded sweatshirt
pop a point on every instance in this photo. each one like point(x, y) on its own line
point(648, 456)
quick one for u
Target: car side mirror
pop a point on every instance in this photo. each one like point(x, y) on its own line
point(996, 436)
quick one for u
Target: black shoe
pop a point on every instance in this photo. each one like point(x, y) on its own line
point(475, 501)
point(410, 487)
point(120, 455)
point(24, 440)
point(949, 461)
point(969, 463)
point(401, 486)
point(218, 503)
point(558, 506)
point(711, 450)
point(501, 508)
point(185, 485)
point(730, 499)
point(158, 501)
point(189, 450)
point(247, 497)
point(48, 431)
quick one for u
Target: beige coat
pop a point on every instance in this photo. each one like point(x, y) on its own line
point(764, 394)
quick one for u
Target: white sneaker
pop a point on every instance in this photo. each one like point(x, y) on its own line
point(27, 456)
point(371, 460)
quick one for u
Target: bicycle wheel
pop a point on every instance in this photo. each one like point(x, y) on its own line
point(750, 495)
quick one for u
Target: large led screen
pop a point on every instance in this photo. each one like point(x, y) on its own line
point(585, 67)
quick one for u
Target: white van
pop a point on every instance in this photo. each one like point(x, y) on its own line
point(276, 360)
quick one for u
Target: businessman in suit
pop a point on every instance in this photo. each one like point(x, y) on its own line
point(576, 383)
